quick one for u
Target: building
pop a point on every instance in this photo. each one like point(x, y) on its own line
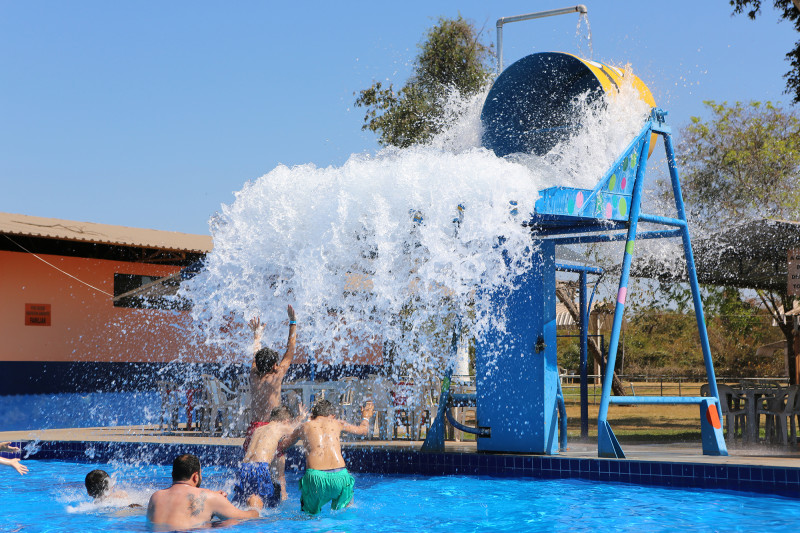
point(66, 320)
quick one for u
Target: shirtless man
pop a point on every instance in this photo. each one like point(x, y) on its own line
point(266, 375)
point(326, 478)
point(185, 505)
point(260, 465)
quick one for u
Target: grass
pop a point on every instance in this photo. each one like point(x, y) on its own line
point(641, 423)
point(655, 424)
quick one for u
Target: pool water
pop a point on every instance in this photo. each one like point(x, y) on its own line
point(74, 410)
point(52, 498)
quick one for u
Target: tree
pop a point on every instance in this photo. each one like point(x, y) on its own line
point(452, 57)
point(743, 164)
point(790, 11)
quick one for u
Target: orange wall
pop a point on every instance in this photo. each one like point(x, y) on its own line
point(85, 325)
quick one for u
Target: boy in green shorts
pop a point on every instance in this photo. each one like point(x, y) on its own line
point(326, 478)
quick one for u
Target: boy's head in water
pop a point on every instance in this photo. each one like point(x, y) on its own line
point(98, 483)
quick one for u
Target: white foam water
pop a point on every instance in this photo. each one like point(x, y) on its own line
point(389, 248)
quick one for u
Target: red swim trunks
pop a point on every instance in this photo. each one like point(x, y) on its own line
point(249, 435)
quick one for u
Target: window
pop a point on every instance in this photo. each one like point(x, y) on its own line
point(147, 292)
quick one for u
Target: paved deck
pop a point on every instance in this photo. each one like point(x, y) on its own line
point(760, 455)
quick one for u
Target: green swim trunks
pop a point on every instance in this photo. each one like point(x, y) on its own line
point(318, 487)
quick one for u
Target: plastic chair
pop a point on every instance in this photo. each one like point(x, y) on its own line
point(734, 409)
point(170, 405)
point(779, 410)
point(375, 389)
point(243, 412)
point(218, 403)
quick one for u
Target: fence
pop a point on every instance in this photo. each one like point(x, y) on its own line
point(645, 385)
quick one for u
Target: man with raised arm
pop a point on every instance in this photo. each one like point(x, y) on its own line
point(185, 505)
point(266, 375)
point(326, 478)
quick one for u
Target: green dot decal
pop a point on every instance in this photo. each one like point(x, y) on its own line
point(629, 247)
point(633, 159)
point(625, 164)
point(612, 182)
point(623, 207)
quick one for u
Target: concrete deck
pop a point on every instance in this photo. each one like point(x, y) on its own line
point(760, 455)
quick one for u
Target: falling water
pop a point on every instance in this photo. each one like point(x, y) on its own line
point(388, 248)
point(583, 37)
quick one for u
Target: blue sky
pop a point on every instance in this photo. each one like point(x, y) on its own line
point(152, 114)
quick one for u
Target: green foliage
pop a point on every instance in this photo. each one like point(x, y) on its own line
point(666, 341)
point(452, 57)
point(744, 162)
point(790, 10)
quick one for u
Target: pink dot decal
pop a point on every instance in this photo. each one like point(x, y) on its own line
point(609, 210)
point(622, 183)
point(623, 292)
point(579, 200)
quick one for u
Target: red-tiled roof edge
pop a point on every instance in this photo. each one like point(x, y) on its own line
point(54, 228)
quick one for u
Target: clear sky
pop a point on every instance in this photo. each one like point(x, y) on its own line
point(152, 114)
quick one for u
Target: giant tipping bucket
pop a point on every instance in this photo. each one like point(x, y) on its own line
point(531, 106)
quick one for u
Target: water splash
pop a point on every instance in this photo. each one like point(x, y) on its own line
point(387, 249)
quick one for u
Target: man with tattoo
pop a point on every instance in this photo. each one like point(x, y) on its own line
point(185, 505)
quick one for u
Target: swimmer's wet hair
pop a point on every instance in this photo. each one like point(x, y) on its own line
point(184, 466)
point(280, 414)
point(266, 359)
point(322, 408)
point(97, 483)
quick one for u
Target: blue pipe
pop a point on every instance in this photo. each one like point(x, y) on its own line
point(562, 418)
point(578, 268)
point(605, 226)
point(617, 237)
point(481, 432)
point(662, 220)
point(619, 310)
point(667, 400)
point(584, 364)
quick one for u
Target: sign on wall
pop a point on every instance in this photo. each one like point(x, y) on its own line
point(794, 272)
point(37, 314)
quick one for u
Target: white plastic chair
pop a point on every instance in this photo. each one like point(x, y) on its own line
point(734, 410)
point(243, 412)
point(218, 401)
point(170, 405)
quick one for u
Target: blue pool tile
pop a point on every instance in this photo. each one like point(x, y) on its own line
point(655, 469)
point(527, 463)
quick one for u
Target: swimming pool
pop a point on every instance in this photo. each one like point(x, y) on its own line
point(76, 410)
point(52, 498)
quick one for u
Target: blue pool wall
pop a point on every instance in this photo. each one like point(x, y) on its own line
point(775, 480)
